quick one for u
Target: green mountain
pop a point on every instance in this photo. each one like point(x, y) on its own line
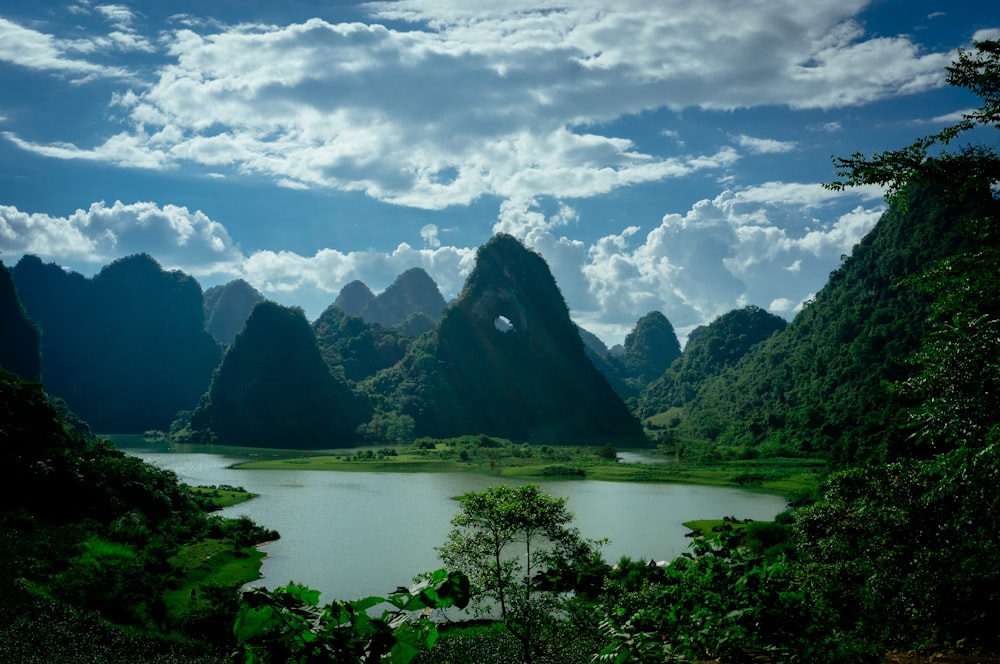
point(822, 385)
point(227, 308)
point(507, 360)
point(273, 389)
point(359, 349)
point(710, 349)
point(19, 336)
point(354, 298)
point(126, 349)
point(649, 349)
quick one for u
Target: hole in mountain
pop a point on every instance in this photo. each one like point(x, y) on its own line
point(503, 324)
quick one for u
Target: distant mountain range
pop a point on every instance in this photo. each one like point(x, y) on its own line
point(130, 349)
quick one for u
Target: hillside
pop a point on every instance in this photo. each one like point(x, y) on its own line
point(710, 349)
point(821, 386)
point(411, 302)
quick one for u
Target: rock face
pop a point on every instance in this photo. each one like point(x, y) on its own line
point(19, 338)
point(126, 349)
point(274, 390)
point(410, 301)
point(227, 308)
point(508, 360)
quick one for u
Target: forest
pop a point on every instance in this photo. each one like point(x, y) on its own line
point(888, 376)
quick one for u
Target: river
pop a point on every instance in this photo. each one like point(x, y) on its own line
point(351, 535)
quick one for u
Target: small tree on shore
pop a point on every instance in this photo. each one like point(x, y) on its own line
point(506, 539)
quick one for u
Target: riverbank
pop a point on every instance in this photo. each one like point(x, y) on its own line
point(501, 458)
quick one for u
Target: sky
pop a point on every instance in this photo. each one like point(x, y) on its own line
point(659, 154)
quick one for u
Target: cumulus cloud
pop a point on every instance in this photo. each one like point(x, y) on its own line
point(456, 102)
point(174, 235)
point(733, 250)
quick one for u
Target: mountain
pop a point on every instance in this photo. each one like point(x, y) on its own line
point(354, 298)
point(649, 349)
point(507, 360)
point(412, 293)
point(273, 389)
point(126, 349)
point(359, 349)
point(710, 349)
point(19, 336)
point(227, 308)
point(822, 386)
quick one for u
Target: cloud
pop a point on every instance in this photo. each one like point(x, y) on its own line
point(455, 102)
point(764, 145)
point(38, 51)
point(429, 233)
point(733, 250)
point(174, 235)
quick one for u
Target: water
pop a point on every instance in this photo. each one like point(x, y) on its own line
point(351, 535)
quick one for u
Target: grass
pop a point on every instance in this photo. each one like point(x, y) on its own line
point(224, 496)
point(209, 562)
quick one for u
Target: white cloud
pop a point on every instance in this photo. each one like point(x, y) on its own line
point(460, 101)
point(174, 235)
point(429, 234)
point(724, 253)
point(42, 52)
point(764, 145)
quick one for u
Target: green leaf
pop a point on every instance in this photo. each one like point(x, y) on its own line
point(254, 622)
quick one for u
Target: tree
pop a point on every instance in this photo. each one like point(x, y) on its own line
point(506, 539)
point(925, 162)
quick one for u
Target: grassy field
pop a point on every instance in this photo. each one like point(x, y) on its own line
point(502, 458)
point(210, 562)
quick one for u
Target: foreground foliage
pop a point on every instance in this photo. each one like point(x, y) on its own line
point(289, 625)
point(93, 552)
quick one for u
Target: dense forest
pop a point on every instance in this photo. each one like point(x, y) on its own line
point(890, 374)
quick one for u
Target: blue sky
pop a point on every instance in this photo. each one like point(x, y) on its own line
point(660, 155)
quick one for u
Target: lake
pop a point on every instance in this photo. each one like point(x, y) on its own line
point(351, 535)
